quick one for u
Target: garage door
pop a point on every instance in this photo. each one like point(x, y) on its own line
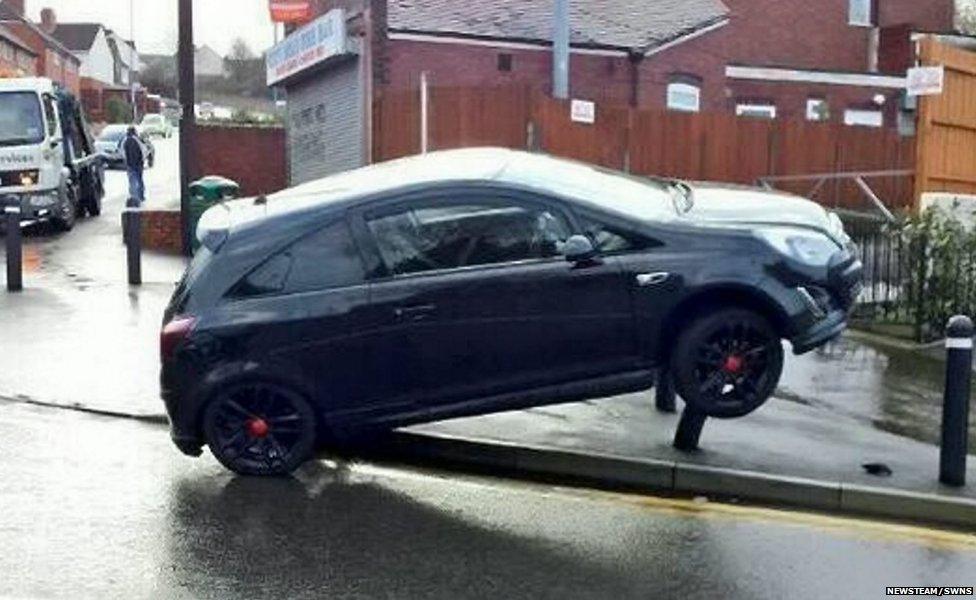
point(325, 135)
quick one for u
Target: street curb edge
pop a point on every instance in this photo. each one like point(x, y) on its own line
point(649, 475)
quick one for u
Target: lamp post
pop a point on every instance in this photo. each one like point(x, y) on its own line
point(560, 50)
point(187, 117)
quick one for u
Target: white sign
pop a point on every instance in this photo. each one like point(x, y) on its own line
point(926, 81)
point(583, 111)
point(314, 43)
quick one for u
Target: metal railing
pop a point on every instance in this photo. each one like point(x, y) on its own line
point(857, 177)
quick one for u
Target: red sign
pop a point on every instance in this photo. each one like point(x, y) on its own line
point(291, 11)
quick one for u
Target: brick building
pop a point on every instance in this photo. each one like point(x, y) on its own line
point(53, 59)
point(839, 60)
point(17, 59)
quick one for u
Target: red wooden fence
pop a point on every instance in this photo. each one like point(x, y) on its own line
point(704, 146)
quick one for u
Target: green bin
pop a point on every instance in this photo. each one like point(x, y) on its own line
point(205, 193)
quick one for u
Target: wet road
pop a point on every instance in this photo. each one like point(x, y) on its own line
point(98, 507)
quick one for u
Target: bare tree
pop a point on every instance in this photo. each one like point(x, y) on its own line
point(240, 50)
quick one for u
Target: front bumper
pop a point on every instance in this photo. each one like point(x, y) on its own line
point(36, 205)
point(833, 301)
point(827, 329)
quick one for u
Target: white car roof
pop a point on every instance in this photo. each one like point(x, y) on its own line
point(609, 190)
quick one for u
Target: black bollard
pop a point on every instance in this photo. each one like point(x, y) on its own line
point(955, 409)
point(664, 394)
point(132, 235)
point(15, 262)
point(689, 430)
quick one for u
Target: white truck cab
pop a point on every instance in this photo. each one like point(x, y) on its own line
point(47, 157)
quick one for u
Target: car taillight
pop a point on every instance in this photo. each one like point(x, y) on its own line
point(173, 334)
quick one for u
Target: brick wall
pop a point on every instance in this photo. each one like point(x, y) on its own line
point(254, 157)
point(922, 15)
point(608, 79)
point(161, 231)
point(600, 78)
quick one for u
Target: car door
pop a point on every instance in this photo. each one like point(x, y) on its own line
point(311, 301)
point(650, 270)
point(473, 288)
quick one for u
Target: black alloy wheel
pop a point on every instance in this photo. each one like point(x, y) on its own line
point(728, 364)
point(260, 429)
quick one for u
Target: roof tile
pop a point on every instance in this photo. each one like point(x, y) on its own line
point(632, 24)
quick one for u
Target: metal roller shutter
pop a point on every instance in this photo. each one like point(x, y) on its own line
point(325, 135)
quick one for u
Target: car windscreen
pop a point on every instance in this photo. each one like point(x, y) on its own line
point(20, 119)
point(630, 196)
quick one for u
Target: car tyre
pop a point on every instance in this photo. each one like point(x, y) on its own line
point(260, 428)
point(67, 209)
point(727, 364)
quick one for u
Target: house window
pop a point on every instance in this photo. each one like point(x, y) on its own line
point(863, 118)
point(818, 110)
point(756, 110)
point(684, 97)
point(505, 62)
point(861, 13)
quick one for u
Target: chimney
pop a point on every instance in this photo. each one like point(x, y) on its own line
point(49, 20)
point(15, 5)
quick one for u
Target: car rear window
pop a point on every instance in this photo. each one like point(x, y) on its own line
point(326, 259)
point(184, 287)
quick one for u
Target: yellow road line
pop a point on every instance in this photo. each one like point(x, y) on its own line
point(843, 525)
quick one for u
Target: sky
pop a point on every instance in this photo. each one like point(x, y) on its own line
point(215, 22)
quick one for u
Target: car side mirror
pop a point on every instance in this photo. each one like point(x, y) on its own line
point(579, 249)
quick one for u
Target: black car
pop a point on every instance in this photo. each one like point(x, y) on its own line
point(474, 281)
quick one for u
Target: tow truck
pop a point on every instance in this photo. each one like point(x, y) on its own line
point(48, 160)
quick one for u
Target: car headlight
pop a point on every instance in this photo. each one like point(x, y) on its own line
point(808, 247)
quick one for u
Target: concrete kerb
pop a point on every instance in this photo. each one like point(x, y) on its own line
point(615, 472)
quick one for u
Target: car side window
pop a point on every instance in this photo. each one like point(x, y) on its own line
point(612, 239)
point(430, 238)
point(326, 259)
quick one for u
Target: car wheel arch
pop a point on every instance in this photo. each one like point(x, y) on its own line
point(716, 297)
point(240, 374)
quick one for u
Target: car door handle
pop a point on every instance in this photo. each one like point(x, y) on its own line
point(648, 279)
point(414, 313)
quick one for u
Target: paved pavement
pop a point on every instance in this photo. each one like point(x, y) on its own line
point(104, 508)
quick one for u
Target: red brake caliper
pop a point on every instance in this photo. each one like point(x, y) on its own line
point(734, 364)
point(257, 428)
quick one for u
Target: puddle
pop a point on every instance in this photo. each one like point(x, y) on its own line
point(893, 390)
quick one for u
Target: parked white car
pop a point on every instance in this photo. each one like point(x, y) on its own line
point(155, 124)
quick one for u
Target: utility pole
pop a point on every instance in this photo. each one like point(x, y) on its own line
point(187, 117)
point(560, 50)
point(132, 61)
